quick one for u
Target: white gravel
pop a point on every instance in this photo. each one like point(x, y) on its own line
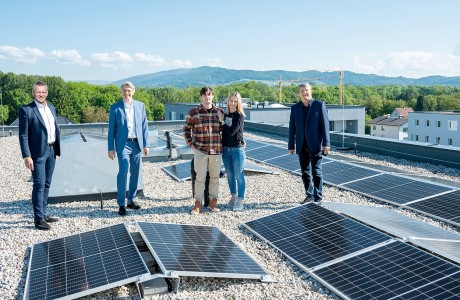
point(167, 200)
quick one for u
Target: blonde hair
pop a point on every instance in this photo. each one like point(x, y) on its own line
point(239, 104)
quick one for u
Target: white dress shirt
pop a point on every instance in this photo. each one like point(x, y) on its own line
point(48, 118)
point(129, 110)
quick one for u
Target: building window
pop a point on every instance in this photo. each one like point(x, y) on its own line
point(452, 125)
point(181, 116)
point(416, 137)
point(416, 122)
point(439, 124)
point(331, 126)
point(438, 140)
point(405, 129)
point(172, 115)
point(427, 123)
point(383, 128)
point(449, 142)
point(427, 139)
point(374, 127)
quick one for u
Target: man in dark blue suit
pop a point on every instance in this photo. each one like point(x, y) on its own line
point(40, 145)
point(128, 135)
point(309, 138)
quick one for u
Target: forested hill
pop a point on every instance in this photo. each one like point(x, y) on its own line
point(220, 76)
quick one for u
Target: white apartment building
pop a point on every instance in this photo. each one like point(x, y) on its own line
point(439, 127)
point(394, 126)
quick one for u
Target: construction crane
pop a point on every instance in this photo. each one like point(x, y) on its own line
point(280, 84)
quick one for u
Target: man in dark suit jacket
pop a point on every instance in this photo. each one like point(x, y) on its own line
point(128, 135)
point(40, 145)
point(309, 129)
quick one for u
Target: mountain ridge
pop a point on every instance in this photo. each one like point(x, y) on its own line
point(213, 76)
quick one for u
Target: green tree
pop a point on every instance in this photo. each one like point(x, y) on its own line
point(95, 114)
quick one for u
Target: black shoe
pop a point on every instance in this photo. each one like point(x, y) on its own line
point(308, 200)
point(122, 211)
point(42, 225)
point(133, 205)
point(51, 219)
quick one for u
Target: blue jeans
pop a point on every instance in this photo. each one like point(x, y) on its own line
point(312, 177)
point(129, 158)
point(42, 175)
point(234, 166)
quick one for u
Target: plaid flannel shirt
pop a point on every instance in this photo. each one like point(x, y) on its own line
point(202, 129)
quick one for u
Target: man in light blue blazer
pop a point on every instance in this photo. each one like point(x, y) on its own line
point(128, 136)
point(309, 138)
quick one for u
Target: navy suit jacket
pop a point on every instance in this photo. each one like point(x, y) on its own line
point(118, 126)
point(33, 136)
point(315, 129)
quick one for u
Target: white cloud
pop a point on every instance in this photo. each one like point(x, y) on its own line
point(150, 59)
point(182, 63)
point(410, 64)
point(69, 57)
point(25, 55)
point(214, 62)
point(113, 60)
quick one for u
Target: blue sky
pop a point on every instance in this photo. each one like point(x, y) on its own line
point(113, 40)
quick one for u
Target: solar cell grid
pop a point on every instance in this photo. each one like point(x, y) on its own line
point(409, 191)
point(252, 144)
point(198, 250)
point(376, 183)
point(67, 266)
point(286, 162)
point(445, 207)
point(348, 175)
point(265, 153)
point(385, 272)
point(312, 235)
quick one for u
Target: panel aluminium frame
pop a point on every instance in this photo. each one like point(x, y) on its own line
point(219, 248)
point(53, 260)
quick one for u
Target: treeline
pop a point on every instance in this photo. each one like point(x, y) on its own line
point(87, 103)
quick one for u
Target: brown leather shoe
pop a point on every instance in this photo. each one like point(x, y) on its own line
point(196, 210)
point(213, 205)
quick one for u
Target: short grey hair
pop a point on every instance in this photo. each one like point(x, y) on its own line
point(305, 85)
point(39, 83)
point(128, 83)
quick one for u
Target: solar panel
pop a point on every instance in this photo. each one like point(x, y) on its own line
point(193, 250)
point(385, 272)
point(181, 172)
point(395, 189)
point(286, 162)
point(427, 236)
point(445, 288)
point(83, 264)
point(252, 144)
point(248, 166)
point(311, 235)
point(348, 175)
point(445, 207)
point(267, 152)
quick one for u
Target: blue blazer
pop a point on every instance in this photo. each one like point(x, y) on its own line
point(33, 136)
point(118, 126)
point(316, 127)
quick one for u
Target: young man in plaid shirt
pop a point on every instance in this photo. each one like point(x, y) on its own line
point(202, 132)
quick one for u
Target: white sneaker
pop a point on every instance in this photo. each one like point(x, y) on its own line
point(232, 201)
point(238, 205)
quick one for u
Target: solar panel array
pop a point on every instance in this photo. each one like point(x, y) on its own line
point(83, 264)
point(181, 171)
point(439, 201)
point(427, 236)
point(354, 260)
point(193, 250)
